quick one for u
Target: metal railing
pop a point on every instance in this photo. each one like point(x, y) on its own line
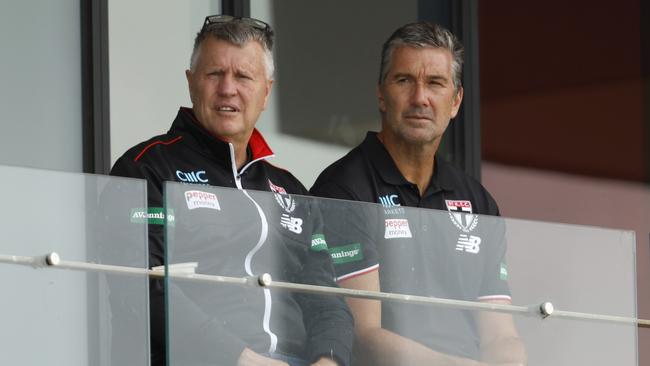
point(544, 310)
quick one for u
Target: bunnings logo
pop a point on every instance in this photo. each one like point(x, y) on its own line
point(153, 215)
point(346, 254)
point(318, 242)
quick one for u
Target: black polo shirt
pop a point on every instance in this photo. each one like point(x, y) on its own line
point(456, 251)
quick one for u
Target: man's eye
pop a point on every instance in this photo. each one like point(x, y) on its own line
point(402, 80)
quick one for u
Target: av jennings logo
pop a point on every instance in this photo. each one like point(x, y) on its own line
point(152, 215)
point(318, 242)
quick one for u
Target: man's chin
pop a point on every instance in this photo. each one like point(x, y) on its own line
point(225, 128)
point(418, 137)
point(231, 135)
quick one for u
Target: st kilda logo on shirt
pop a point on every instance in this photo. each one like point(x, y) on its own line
point(284, 199)
point(461, 214)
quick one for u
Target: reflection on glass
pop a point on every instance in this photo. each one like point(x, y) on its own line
point(63, 316)
point(443, 254)
point(235, 233)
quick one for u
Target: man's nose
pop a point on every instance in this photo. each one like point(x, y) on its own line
point(419, 96)
point(227, 85)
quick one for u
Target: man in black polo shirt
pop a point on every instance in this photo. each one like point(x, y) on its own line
point(455, 255)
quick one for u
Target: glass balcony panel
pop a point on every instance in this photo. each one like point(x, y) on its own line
point(72, 316)
point(452, 281)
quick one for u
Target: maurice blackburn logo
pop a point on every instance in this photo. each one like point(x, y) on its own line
point(461, 215)
point(200, 199)
point(284, 199)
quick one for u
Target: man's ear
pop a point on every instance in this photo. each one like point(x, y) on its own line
point(455, 103)
point(380, 99)
point(190, 84)
point(269, 86)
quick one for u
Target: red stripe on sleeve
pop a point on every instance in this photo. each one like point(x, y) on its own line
point(175, 139)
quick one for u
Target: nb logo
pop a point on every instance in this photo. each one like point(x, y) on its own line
point(468, 243)
point(192, 177)
point(293, 224)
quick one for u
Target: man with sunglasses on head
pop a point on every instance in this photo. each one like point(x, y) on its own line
point(215, 142)
point(454, 255)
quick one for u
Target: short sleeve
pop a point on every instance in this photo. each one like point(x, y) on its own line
point(350, 230)
point(495, 278)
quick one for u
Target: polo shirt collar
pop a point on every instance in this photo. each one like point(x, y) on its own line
point(441, 178)
point(258, 148)
point(382, 161)
point(389, 173)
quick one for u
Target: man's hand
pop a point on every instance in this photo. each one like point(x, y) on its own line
point(252, 358)
point(325, 362)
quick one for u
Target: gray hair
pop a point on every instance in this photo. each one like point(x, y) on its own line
point(420, 35)
point(239, 33)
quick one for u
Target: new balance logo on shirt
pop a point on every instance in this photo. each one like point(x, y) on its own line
point(468, 243)
point(293, 224)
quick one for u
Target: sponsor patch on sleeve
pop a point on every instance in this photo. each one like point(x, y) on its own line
point(200, 199)
point(318, 242)
point(503, 272)
point(397, 228)
point(346, 253)
point(152, 215)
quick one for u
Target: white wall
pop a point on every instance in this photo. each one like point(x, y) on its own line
point(150, 42)
point(40, 88)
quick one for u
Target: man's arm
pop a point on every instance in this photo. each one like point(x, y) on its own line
point(500, 342)
point(212, 340)
point(378, 346)
point(327, 319)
